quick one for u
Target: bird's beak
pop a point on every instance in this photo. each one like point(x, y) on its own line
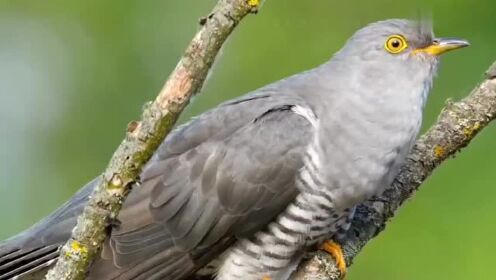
point(442, 45)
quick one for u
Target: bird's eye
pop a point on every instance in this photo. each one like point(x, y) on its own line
point(395, 44)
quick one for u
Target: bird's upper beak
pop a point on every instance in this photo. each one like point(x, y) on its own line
point(442, 45)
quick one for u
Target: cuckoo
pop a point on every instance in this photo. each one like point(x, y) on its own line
point(244, 189)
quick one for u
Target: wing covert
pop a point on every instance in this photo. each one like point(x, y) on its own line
point(195, 195)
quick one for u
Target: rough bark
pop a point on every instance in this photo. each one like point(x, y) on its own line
point(144, 136)
point(456, 126)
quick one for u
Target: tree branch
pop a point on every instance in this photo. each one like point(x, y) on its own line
point(143, 137)
point(457, 125)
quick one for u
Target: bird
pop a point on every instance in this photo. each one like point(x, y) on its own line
point(243, 190)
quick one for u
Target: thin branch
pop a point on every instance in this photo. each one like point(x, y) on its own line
point(457, 125)
point(143, 137)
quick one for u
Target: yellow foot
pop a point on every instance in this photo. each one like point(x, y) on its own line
point(336, 252)
point(266, 278)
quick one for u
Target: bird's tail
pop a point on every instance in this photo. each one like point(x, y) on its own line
point(29, 254)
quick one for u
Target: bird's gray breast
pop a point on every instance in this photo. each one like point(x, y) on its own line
point(362, 142)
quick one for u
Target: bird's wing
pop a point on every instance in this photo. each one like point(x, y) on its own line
point(224, 175)
point(29, 254)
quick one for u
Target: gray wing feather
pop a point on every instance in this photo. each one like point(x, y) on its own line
point(224, 175)
point(216, 178)
point(29, 254)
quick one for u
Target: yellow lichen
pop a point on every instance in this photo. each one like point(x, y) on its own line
point(254, 3)
point(77, 248)
point(470, 130)
point(115, 185)
point(116, 181)
point(439, 151)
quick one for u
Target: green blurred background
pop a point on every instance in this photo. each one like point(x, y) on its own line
point(74, 73)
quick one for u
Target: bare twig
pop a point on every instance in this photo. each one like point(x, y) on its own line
point(457, 125)
point(143, 137)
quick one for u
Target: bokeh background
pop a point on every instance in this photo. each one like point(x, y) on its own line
point(74, 73)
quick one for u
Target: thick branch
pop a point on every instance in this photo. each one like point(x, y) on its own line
point(457, 125)
point(143, 138)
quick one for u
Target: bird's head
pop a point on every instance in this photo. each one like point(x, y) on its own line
point(391, 56)
point(398, 43)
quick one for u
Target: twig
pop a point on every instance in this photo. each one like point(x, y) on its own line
point(143, 137)
point(457, 125)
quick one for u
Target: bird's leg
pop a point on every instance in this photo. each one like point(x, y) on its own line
point(334, 249)
point(266, 278)
point(332, 246)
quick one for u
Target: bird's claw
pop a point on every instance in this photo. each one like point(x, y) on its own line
point(334, 249)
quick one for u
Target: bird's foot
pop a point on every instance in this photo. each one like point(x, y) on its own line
point(334, 249)
point(266, 278)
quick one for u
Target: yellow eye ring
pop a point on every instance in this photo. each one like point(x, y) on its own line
point(395, 44)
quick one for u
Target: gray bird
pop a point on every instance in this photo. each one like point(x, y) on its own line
point(244, 189)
